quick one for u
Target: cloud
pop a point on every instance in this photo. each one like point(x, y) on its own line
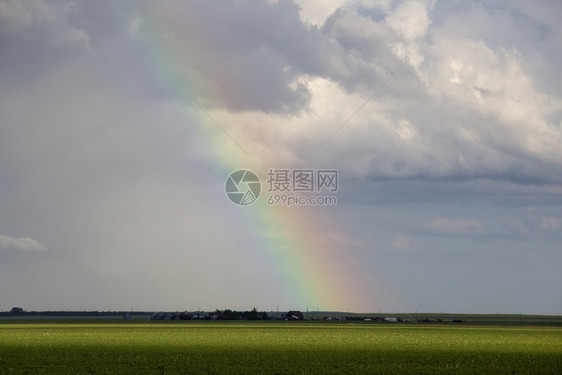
point(536, 224)
point(50, 17)
point(244, 55)
point(464, 107)
point(401, 242)
point(24, 244)
point(548, 223)
point(410, 19)
point(455, 226)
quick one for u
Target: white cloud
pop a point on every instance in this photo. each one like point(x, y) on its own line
point(16, 15)
point(25, 243)
point(462, 107)
point(549, 223)
point(135, 25)
point(455, 226)
point(50, 17)
point(316, 12)
point(401, 242)
point(410, 19)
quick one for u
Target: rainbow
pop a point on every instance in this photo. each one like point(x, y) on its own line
point(307, 267)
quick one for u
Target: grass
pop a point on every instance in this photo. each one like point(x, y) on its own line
point(275, 348)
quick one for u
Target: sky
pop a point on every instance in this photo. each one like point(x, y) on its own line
point(120, 123)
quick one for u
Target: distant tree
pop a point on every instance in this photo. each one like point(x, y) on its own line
point(185, 316)
point(252, 315)
point(226, 315)
point(17, 311)
point(238, 315)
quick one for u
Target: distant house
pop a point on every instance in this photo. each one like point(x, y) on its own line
point(157, 316)
point(294, 315)
point(165, 316)
point(390, 319)
point(171, 316)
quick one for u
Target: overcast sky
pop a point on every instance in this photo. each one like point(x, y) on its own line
point(444, 119)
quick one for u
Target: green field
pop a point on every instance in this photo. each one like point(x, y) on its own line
point(275, 348)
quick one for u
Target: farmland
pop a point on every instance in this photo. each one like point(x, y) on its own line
point(275, 347)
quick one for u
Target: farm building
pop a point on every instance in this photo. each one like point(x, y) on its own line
point(294, 315)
